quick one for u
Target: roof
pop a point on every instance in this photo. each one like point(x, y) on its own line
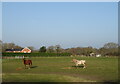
point(13, 49)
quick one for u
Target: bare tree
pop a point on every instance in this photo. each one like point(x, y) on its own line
point(51, 49)
point(31, 48)
point(110, 45)
point(58, 48)
point(9, 46)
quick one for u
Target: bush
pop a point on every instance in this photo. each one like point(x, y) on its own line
point(35, 54)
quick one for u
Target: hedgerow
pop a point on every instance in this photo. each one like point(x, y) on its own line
point(35, 54)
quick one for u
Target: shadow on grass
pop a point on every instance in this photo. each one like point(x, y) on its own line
point(33, 66)
point(111, 82)
point(77, 66)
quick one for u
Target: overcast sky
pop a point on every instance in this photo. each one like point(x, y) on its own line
point(75, 24)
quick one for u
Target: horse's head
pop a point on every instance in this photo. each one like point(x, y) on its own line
point(74, 60)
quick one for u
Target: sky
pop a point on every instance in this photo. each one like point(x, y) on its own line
point(69, 24)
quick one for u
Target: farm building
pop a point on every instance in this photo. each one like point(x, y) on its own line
point(23, 50)
point(92, 54)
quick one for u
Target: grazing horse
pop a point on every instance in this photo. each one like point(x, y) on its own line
point(27, 63)
point(79, 62)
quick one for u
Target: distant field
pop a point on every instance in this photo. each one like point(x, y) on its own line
point(61, 69)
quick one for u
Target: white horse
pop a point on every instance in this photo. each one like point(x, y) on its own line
point(79, 62)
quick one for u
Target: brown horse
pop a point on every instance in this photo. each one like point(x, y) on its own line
point(27, 63)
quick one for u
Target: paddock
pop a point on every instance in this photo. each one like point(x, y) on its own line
point(61, 69)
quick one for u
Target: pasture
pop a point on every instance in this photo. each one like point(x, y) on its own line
point(61, 69)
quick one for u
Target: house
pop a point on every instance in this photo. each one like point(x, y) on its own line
point(26, 50)
point(92, 54)
point(13, 50)
point(23, 50)
point(98, 55)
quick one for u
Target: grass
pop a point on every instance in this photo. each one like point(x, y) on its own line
point(43, 78)
point(55, 69)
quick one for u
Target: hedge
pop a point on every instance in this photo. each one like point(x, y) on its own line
point(35, 54)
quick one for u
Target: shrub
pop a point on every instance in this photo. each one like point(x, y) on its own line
point(36, 54)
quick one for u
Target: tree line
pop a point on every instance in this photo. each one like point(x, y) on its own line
point(110, 49)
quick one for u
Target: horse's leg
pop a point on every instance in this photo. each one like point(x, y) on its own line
point(76, 65)
point(84, 65)
point(30, 65)
point(27, 66)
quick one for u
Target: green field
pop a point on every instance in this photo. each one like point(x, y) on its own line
point(61, 69)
